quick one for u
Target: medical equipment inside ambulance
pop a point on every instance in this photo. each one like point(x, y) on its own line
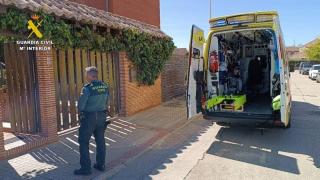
point(242, 68)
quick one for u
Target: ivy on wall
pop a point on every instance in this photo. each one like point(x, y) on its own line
point(148, 53)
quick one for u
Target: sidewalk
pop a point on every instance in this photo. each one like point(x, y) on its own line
point(125, 139)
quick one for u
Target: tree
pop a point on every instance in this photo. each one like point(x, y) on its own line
point(313, 51)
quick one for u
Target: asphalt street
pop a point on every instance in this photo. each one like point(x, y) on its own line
point(201, 151)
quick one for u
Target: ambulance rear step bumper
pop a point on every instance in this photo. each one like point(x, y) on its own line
point(238, 117)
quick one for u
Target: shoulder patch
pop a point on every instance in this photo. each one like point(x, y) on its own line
point(98, 88)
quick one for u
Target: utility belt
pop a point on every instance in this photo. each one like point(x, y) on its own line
point(93, 112)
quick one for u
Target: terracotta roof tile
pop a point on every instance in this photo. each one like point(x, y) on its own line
point(84, 14)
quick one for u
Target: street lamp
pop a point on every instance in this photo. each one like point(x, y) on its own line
point(210, 9)
point(210, 6)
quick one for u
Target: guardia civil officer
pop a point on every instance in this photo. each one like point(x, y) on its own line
point(92, 106)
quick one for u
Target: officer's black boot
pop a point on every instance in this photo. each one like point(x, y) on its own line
point(85, 132)
point(81, 171)
point(99, 167)
point(99, 134)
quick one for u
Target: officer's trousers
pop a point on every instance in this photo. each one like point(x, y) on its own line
point(92, 123)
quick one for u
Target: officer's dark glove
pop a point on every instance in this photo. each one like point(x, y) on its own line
point(81, 116)
point(106, 123)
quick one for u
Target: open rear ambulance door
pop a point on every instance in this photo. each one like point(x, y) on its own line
point(285, 96)
point(195, 72)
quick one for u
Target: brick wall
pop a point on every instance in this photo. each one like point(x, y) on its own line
point(147, 11)
point(135, 98)
point(174, 74)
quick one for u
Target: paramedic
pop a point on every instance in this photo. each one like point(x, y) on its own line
point(92, 106)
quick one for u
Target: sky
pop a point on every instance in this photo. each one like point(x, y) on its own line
point(299, 19)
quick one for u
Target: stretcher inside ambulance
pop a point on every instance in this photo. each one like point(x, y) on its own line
point(240, 72)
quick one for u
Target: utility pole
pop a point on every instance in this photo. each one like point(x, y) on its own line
point(210, 4)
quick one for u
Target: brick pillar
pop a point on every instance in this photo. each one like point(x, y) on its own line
point(47, 99)
point(123, 81)
point(2, 115)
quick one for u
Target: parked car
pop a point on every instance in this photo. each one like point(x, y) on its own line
point(304, 68)
point(297, 66)
point(318, 77)
point(314, 70)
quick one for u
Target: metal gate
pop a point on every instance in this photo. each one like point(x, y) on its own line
point(22, 89)
point(70, 77)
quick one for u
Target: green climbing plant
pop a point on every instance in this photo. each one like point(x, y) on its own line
point(313, 52)
point(147, 52)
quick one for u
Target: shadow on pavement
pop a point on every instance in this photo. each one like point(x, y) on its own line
point(58, 160)
point(156, 159)
point(273, 148)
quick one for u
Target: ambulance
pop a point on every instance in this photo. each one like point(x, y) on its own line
point(240, 72)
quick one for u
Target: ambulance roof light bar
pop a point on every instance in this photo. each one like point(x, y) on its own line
point(243, 19)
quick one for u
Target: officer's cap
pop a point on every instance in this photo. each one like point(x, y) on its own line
point(91, 69)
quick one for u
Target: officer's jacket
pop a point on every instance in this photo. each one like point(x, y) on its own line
point(93, 97)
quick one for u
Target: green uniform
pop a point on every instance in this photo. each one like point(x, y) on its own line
point(92, 106)
point(93, 97)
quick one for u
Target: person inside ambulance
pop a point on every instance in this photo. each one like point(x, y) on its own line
point(254, 75)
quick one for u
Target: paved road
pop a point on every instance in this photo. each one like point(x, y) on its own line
point(161, 144)
point(244, 153)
